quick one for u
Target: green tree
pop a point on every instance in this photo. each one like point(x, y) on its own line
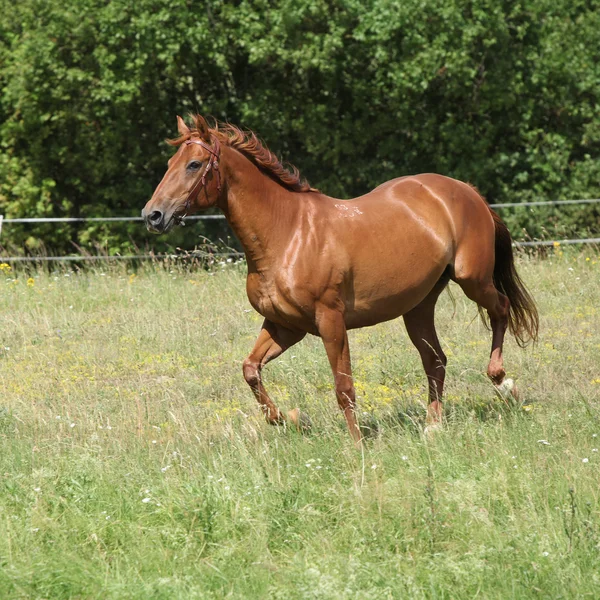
point(502, 94)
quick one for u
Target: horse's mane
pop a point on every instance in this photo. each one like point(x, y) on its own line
point(250, 146)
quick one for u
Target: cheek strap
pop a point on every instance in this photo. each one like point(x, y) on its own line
point(213, 163)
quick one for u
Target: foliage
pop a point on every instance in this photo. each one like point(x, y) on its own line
point(135, 462)
point(502, 94)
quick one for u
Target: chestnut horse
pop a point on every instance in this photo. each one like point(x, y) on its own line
point(323, 266)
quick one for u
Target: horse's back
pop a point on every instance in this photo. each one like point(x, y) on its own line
point(460, 202)
point(416, 212)
point(451, 207)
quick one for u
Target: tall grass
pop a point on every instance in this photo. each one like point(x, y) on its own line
point(134, 462)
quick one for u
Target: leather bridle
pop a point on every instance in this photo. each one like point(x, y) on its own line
point(213, 163)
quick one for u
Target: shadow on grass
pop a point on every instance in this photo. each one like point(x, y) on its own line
point(407, 417)
point(411, 418)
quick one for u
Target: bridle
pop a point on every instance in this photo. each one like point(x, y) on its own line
point(213, 163)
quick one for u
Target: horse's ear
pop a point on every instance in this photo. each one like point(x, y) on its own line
point(202, 127)
point(183, 129)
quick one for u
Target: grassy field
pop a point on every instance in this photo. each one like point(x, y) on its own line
point(134, 462)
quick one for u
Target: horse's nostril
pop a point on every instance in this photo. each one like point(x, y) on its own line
point(155, 217)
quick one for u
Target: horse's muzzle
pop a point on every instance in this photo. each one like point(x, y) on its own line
point(155, 220)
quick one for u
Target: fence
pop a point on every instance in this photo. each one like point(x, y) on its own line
point(90, 258)
point(534, 243)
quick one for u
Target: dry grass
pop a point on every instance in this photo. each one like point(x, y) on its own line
point(134, 462)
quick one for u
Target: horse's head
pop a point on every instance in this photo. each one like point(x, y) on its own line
point(192, 181)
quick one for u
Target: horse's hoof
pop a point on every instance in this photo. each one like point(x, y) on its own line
point(432, 429)
point(300, 420)
point(508, 390)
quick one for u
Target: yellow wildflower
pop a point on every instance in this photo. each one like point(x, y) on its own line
point(556, 244)
point(31, 282)
point(5, 268)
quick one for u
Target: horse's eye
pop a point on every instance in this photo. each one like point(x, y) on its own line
point(194, 165)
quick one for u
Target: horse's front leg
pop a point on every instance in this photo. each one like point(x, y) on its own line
point(332, 330)
point(272, 341)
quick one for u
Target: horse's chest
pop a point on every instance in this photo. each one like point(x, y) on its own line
point(263, 295)
point(262, 302)
point(271, 302)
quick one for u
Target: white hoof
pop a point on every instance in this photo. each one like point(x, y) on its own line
point(507, 389)
point(432, 429)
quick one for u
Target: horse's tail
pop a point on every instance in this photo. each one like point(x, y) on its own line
point(523, 319)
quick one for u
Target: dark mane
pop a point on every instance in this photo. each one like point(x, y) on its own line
point(250, 146)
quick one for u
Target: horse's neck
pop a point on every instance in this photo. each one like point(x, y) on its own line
point(261, 212)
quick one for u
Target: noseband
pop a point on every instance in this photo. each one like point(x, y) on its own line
point(213, 163)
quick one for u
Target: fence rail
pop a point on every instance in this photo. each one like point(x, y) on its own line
point(90, 258)
point(17, 259)
point(545, 203)
point(99, 219)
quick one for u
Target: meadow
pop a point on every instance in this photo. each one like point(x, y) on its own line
point(134, 462)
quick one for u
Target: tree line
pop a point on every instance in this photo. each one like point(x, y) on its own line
point(504, 94)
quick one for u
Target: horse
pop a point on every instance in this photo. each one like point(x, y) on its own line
point(323, 266)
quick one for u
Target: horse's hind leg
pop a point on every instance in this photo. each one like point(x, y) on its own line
point(272, 341)
point(484, 293)
point(420, 326)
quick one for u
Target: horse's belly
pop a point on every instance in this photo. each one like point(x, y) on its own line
point(387, 299)
point(380, 310)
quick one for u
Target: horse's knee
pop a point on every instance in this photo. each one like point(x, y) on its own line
point(251, 372)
